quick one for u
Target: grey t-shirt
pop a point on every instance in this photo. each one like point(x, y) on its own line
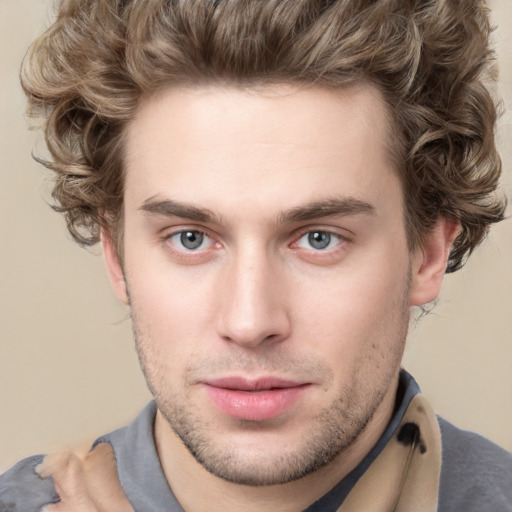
point(476, 474)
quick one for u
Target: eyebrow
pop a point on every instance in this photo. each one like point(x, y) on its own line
point(171, 208)
point(327, 208)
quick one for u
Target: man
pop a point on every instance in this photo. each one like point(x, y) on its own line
point(275, 184)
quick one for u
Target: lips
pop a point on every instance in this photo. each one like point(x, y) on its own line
point(254, 400)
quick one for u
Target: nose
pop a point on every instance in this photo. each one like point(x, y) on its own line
point(254, 307)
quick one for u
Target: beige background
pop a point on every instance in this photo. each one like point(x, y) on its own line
point(68, 370)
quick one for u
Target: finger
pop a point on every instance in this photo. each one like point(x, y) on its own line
point(103, 481)
point(69, 477)
point(88, 485)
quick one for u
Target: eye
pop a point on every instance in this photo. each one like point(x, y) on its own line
point(190, 240)
point(319, 240)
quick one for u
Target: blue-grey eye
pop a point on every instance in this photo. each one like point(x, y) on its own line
point(190, 240)
point(319, 240)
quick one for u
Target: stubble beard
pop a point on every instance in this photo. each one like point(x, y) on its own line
point(334, 429)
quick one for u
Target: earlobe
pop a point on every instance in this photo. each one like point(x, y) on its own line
point(430, 261)
point(114, 266)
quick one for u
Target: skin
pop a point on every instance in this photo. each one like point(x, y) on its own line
point(256, 173)
point(85, 484)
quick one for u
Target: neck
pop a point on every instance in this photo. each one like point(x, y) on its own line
point(185, 475)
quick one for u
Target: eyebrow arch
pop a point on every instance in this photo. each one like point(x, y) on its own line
point(327, 208)
point(171, 208)
point(310, 211)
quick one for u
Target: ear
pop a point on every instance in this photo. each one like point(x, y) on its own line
point(114, 267)
point(430, 260)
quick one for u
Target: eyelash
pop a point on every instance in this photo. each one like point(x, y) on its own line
point(330, 236)
point(328, 256)
point(200, 234)
point(185, 254)
point(199, 254)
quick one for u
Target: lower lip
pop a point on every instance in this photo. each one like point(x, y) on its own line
point(255, 405)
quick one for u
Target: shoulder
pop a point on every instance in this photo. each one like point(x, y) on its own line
point(23, 490)
point(476, 474)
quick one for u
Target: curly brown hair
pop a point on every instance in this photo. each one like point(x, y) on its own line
point(431, 59)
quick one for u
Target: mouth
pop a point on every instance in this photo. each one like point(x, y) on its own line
point(254, 399)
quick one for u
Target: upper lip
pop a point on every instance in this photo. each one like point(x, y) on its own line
point(247, 384)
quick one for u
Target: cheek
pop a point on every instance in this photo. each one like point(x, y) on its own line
point(170, 308)
point(358, 312)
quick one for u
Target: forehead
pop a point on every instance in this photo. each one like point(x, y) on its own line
point(274, 145)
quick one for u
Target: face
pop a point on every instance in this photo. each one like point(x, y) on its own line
point(267, 271)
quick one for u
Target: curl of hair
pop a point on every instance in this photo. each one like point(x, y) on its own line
point(431, 60)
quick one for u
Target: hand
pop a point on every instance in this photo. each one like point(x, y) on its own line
point(85, 485)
